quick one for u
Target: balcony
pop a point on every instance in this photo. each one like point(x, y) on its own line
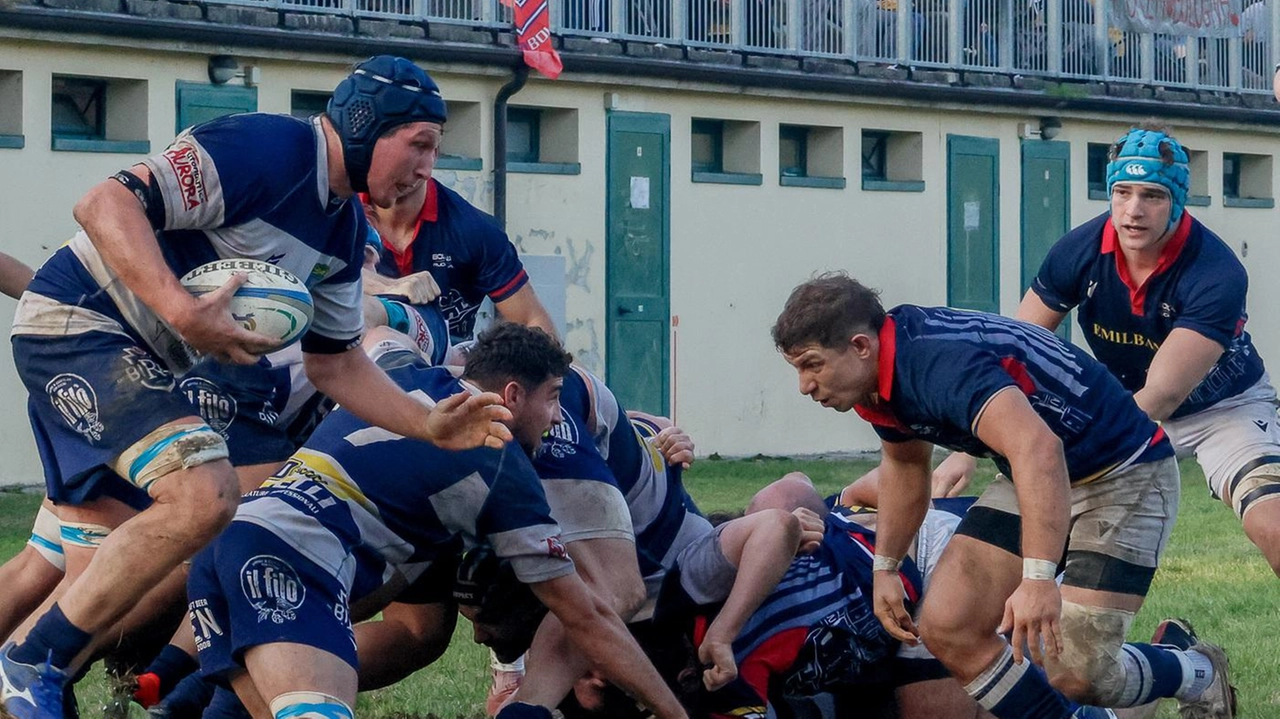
point(1054, 39)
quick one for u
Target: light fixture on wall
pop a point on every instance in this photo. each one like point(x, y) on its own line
point(225, 68)
point(1050, 127)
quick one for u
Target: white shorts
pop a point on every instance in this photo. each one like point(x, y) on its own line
point(1230, 434)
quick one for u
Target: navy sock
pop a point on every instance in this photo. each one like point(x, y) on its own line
point(54, 639)
point(171, 665)
point(189, 698)
point(1013, 691)
point(1151, 672)
point(225, 705)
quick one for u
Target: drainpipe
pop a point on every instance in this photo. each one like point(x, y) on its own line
point(500, 142)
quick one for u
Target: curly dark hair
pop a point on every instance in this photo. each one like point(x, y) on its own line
point(826, 311)
point(506, 352)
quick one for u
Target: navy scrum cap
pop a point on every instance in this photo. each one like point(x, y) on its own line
point(381, 94)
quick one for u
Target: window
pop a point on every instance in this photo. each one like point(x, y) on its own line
point(892, 160)
point(793, 151)
point(1096, 162)
point(91, 114)
point(1246, 180)
point(11, 110)
point(810, 156)
point(305, 103)
point(874, 146)
point(1198, 165)
point(707, 145)
point(523, 129)
point(80, 108)
point(542, 140)
point(460, 148)
point(725, 151)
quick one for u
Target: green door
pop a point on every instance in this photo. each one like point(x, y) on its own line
point(200, 102)
point(973, 223)
point(637, 260)
point(1046, 206)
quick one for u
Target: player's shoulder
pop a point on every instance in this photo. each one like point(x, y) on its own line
point(1212, 255)
point(250, 129)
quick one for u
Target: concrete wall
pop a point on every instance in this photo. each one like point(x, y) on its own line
point(736, 251)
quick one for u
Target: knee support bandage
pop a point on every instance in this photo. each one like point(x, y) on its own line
point(80, 534)
point(46, 538)
point(1091, 642)
point(1255, 483)
point(168, 449)
point(309, 705)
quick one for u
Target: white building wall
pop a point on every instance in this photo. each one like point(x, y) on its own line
point(736, 251)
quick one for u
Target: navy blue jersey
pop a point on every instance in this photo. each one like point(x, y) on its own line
point(939, 367)
point(467, 254)
point(816, 631)
point(1199, 284)
point(243, 186)
point(409, 500)
point(597, 441)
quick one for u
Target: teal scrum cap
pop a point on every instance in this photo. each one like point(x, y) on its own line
point(1154, 158)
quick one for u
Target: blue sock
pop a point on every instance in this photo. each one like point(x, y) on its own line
point(225, 705)
point(1014, 691)
point(189, 698)
point(54, 639)
point(171, 665)
point(1150, 673)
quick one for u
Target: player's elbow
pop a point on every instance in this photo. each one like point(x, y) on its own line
point(99, 199)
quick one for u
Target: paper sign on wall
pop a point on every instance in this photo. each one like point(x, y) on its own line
point(640, 193)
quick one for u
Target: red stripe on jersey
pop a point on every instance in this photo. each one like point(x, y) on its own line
point(1168, 255)
point(1019, 373)
point(879, 413)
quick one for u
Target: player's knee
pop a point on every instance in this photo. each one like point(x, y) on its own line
point(201, 505)
point(1089, 669)
point(1255, 487)
point(309, 705)
point(46, 538)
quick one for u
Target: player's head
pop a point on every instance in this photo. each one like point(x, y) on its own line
point(829, 331)
point(526, 366)
point(1148, 161)
point(504, 612)
point(385, 96)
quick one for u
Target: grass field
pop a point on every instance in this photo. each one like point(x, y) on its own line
point(1211, 575)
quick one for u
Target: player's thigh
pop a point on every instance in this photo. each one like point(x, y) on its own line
point(1226, 440)
point(1119, 529)
point(282, 667)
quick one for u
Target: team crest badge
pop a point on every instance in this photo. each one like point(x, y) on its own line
point(76, 401)
point(273, 588)
point(142, 368)
point(214, 405)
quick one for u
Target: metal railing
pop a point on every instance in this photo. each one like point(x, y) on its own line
point(1050, 38)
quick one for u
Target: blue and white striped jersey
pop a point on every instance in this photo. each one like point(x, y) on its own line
point(597, 440)
point(939, 368)
point(397, 503)
point(243, 186)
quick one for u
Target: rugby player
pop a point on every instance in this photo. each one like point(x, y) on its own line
point(105, 326)
point(360, 512)
point(1086, 477)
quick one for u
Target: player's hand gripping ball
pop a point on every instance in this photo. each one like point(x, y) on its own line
point(272, 302)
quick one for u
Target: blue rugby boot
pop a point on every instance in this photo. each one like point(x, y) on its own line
point(30, 692)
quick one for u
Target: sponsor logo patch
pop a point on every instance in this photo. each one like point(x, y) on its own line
point(273, 588)
point(1135, 169)
point(203, 623)
point(185, 162)
point(142, 368)
point(75, 399)
point(555, 548)
point(213, 404)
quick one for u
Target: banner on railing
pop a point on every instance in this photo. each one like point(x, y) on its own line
point(533, 35)
point(1197, 18)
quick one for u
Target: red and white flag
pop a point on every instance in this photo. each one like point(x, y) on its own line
point(533, 34)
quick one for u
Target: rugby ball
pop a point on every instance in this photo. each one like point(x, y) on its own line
point(273, 301)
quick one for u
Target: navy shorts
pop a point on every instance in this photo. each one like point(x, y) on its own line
point(91, 397)
point(251, 588)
